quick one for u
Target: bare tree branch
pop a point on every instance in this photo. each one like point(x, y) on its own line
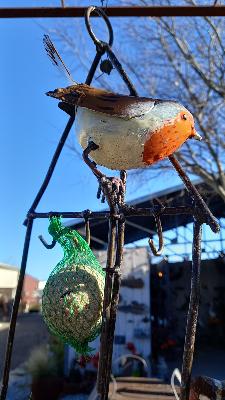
point(177, 58)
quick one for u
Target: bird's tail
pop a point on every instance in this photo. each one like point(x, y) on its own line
point(56, 59)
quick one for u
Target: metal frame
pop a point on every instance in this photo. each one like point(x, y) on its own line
point(118, 211)
point(79, 12)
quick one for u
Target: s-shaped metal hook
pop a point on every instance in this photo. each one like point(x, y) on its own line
point(48, 246)
point(160, 236)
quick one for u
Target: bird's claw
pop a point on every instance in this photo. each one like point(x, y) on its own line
point(112, 187)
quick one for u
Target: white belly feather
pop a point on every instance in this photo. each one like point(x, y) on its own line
point(121, 142)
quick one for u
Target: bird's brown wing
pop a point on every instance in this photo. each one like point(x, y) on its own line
point(103, 101)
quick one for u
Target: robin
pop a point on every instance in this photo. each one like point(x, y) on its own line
point(130, 131)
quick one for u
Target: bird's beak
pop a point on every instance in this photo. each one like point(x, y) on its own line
point(195, 134)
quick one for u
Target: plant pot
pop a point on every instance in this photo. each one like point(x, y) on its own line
point(47, 388)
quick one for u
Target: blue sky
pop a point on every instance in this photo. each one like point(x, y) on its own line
point(30, 127)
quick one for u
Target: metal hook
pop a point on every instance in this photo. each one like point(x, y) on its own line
point(103, 47)
point(86, 215)
point(160, 236)
point(91, 147)
point(100, 12)
point(48, 246)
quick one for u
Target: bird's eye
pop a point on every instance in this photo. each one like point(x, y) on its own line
point(184, 116)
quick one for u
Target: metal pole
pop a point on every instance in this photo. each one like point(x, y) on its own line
point(79, 12)
point(201, 207)
point(63, 139)
point(29, 224)
point(103, 356)
point(12, 328)
point(127, 211)
point(192, 317)
point(114, 302)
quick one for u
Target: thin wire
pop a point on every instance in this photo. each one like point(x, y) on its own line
point(106, 3)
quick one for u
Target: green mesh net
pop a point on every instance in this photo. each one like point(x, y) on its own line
point(73, 296)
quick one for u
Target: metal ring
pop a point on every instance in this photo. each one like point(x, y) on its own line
point(101, 13)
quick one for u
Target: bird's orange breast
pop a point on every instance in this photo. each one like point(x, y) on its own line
point(167, 139)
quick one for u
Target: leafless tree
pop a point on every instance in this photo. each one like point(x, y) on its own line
point(181, 59)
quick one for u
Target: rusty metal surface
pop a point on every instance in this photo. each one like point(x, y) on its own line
point(79, 12)
point(192, 317)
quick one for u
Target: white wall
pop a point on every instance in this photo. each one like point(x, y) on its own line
point(41, 285)
point(8, 277)
point(136, 264)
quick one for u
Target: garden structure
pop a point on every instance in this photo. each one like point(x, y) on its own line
point(119, 211)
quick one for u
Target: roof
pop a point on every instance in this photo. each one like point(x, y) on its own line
point(141, 227)
point(13, 268)
point(9, 267)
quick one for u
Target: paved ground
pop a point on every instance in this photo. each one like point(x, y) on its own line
point(30, 332)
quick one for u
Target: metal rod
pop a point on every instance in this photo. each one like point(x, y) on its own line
point(114, 300)
point(52, 165)
point(201, 207)
point(87, 226)
point(106, 47)
point(106, 311)
point(87, 232)
point(94, 66)
point(121, 71)
point(91, 164)
point(79, 12)
point(12, 328)
point(63, 140)
point(157, 252)
point(29, 223)
point(115, 288)
point(192, 313)
point(127, 212)
point(48, 246)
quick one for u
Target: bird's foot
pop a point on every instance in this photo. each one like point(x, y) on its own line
point(110, 188)
point(113, 189)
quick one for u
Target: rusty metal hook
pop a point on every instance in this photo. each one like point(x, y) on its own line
point(91, 147)
point(160, 236)
point(86, 215)
point(100, 12)
point(48, 246)
point(103, 47)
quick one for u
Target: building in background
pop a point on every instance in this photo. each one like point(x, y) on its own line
point(170, 288)
point(133, 323)
point(30, 295)
point(8, 282)
point(41, 285)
